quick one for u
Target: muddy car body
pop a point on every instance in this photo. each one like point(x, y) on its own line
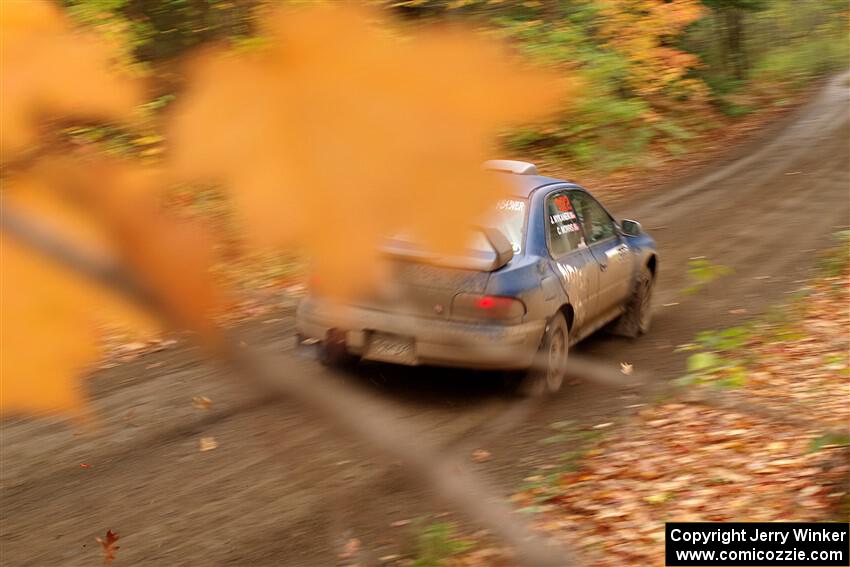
point(554, 267)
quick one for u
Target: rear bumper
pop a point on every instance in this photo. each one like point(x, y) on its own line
point(436, 341)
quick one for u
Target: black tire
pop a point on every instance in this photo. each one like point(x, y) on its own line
point(638, 316)
point(333, 352)
point(547, 374)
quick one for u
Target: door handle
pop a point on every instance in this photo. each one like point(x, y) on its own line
point(618, 251)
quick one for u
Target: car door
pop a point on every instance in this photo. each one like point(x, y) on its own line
point(571, 260)
point(613, 256)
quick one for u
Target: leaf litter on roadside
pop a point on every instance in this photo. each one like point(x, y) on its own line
point(675, 461)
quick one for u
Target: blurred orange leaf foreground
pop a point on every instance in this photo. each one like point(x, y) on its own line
point(49, 331)
point(48, 314)
point(343, 129)
point(52, 318)
point(49, 69)
point(340, 130)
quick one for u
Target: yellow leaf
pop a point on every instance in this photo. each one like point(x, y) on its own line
point(207, 444)
point(149, 140)
point(657, 498)
point(201, 402)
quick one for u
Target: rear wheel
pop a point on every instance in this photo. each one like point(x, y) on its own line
point(550, 364)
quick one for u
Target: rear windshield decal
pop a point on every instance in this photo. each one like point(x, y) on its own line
point(511, 205)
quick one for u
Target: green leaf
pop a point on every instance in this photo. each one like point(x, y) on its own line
point(737, 379)
point(829, 439)
point(686, 380)
point(702, 361)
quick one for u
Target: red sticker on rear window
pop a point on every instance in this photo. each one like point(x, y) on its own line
point(563, 203)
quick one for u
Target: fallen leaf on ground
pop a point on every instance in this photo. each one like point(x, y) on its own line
point(201, 402)
point(108, 545)
point(656, 498)
point(134, 346)
point(480, 455)
point(351, 548)
point(85, 466)
point(208, 443)
point(627, 368)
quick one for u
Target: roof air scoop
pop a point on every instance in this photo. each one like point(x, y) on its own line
point(511, 166)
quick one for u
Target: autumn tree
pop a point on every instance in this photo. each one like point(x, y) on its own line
point(732, 14)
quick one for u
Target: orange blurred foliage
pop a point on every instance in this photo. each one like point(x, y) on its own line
point(342, 130)
point(44, 334)
point(339, 132)
point(639, 29)
point(169, 256)
point(52, 318)
point(51, 70)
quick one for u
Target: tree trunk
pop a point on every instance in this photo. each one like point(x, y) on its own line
point(734, 35)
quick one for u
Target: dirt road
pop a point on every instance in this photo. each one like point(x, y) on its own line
point(281, 490)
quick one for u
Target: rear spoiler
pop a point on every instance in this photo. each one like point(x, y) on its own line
point(478, 260)
point(501, 245)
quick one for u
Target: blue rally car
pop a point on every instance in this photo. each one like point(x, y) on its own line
point(551, 267)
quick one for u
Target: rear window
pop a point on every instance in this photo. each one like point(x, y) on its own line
point(509, 216)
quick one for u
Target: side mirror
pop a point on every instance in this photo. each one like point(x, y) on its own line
point(631, 227)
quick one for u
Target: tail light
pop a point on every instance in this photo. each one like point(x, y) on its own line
point(474, 306)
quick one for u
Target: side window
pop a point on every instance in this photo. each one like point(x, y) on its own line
point(595, 221)
point(562, 224)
